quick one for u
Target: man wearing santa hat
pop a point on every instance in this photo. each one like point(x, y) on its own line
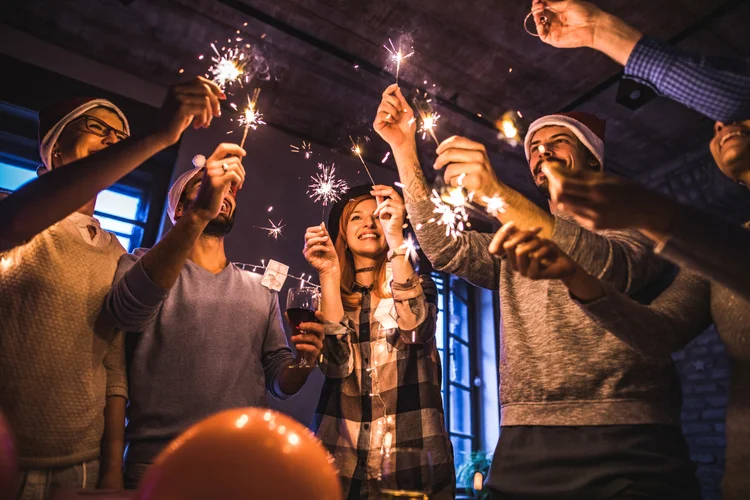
point(582, 414)
point(203, 335)
point(63, 377)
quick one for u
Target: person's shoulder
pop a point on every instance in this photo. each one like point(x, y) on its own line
point(252, 280)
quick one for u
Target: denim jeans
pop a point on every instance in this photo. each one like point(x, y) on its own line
point(40, 484)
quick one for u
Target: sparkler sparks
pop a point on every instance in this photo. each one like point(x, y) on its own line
point(305, 149)
point(428, 125)
point(455, 219)
point(495, 205)
point(250, 117)
point(358, 151)
point(411, 249)
point(275, 230)
point(396, 55)
point(326, 187)
point(228, 65)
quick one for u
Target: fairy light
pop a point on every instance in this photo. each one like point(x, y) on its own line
point(254, 269)
point(358, 151)
point(397, 56)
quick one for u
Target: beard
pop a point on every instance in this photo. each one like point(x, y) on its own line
point(219, 226)
point(543, 188)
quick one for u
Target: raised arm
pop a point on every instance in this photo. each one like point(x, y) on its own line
point(56, 194)
point(466, 255)
point(717, 87)
point(113, 440)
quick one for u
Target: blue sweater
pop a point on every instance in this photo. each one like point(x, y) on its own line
point(210, 343)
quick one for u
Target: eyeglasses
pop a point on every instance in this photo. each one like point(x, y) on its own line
point(97, 127)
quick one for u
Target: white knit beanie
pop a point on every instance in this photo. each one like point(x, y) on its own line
point(53, 119)
point(588, 128)
point(176, 190)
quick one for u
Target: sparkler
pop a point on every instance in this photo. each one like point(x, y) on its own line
point(250, 117)
point(358, 151)
point(397, 55)
point(305, 149)
point(275, 230)
point(326, 187)
point(228, 65)
point(411, 249)
point(454, 218)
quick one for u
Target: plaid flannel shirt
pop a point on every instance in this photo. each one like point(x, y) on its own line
point(383, 375)
point(717, 87)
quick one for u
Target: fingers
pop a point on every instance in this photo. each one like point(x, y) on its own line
point(464, 174)
point(502, 235)
point(510, 246)
point(523, 256)
point(458, 142)
point(225, 149)
point(311, 328)
point(307, 342)
point(316, 241)
point(458, 155)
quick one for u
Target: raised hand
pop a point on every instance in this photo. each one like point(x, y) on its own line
point(465, 162)
point(319, 250)
point(195, 101)
point(569, 23)
point(223, 172)
point(599, 200)
point(394, 121)
point(392, 214)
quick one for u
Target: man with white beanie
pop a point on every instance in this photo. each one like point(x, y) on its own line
point(62, 370)
point(582, 414)
point(202, 335)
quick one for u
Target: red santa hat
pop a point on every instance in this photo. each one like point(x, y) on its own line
point(588, 128)
point(54, 118)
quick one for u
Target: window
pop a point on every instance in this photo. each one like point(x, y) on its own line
point(120, 209)
point(453, 338)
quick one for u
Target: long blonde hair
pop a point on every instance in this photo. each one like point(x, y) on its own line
point(352, 300)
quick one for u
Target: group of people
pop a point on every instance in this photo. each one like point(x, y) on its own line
point(594, 296)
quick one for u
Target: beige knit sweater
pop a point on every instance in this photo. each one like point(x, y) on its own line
point(58, 359)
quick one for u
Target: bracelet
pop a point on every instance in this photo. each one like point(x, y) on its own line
point(393, 253)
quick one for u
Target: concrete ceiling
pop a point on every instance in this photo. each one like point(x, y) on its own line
point(328, 65)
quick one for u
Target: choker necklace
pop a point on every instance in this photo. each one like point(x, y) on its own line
point(364, 270)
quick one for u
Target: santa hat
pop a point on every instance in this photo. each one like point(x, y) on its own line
point(173, 198)
point(588, 128)
point(54, 118)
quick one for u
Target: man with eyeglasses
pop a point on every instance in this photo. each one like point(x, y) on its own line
point(62, 365)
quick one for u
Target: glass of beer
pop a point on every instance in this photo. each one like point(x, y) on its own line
point(405, 473)
point(301, 304)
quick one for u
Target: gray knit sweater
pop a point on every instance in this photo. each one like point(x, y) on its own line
point(685, 310)
point(558, 367)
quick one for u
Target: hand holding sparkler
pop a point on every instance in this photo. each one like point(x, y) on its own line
point(195, 101)
point(394, 121)
point(566, 23)
point(392, 213)
point(221, 175)
point(467, 164)
point(320, 252)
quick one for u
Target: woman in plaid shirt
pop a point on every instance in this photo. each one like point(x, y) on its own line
point(383, 374)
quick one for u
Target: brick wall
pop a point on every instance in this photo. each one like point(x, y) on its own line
point(704, 371)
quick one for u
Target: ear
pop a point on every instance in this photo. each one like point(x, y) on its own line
point(178, 210)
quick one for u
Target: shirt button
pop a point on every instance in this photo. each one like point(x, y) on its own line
point(367, 360)
point(367, 427)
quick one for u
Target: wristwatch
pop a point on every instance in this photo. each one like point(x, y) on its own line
point(392, 253)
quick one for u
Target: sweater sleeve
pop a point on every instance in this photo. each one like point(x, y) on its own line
point(623, 259)
point(134, 300)
point(114, 364)
point(416, 308)
point(276, 352)
point(711, 246)
point(466, 256)
point(679, 314)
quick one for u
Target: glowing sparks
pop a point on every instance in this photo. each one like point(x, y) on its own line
point(495, 205)
point(228, 65)
point(326, 187)
point(454, 218)
point(358, 151)
point(385, 158)
point(410, 247)
point(396, 55)
point(275, 230)
point(428, 125)
point(305, 149)
point(250, 117)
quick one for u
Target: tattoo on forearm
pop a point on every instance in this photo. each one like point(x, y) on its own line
point(417, 189)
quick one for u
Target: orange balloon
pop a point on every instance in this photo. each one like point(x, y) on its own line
point(246, 453)
point(9, 472)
